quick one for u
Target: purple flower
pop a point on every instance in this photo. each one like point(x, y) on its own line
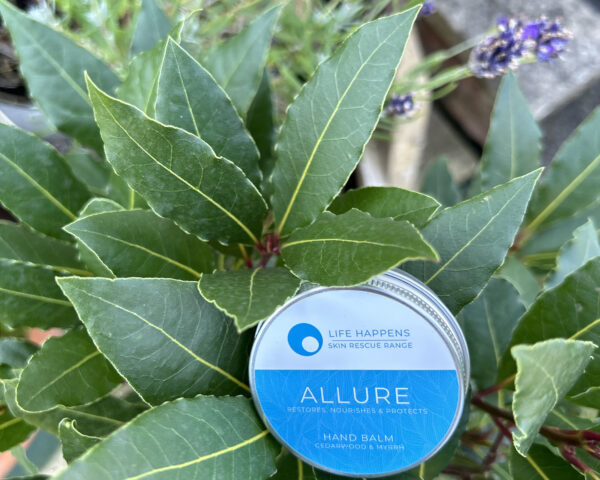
point(428, 8)
point(549, 39)
point(515, 39)
point(401, 105)
point(499, 53)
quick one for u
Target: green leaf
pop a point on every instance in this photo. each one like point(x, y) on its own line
point(17, 242)
point(53, 67)
point(541, 464)
point(165, 327)
point(472, 239)
point(152, 26)
point(439, 184)
point(93, 172)
point(67, 371)
point(31, 477)
point(178, 174)
point(87, 255)
point(571, 180)
point(513, 143)
point(29, 297)
point(351, 248)
point(333, 117)
point(189, 98)
point(35, 183)
point(434, 466)
point(522, 279)
point(194, 439)
point(570, 310)
point(15, 352)
point(97, 419)
point(383, 202)
point(142, 244)
point(100, 205)
point(238, 63)
point(249, 296)
point(261, 125)
point(74, 443)
point(488, 323)
point(290, 467)
point(13, 430)
point(546, 371)
point(575, 253)
point(141, 83)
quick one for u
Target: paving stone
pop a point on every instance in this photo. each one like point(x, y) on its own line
point(560, 93)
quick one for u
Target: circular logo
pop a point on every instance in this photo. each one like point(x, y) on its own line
point(305, 339)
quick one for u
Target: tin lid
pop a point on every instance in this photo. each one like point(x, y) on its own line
point(365, 381)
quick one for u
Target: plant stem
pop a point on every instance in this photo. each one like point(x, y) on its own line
point(495, 388)
point(492, 454)
point(247, 259)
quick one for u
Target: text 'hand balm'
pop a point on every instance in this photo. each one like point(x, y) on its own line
point(365, 381)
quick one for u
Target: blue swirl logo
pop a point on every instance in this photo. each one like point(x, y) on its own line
point(305, 339)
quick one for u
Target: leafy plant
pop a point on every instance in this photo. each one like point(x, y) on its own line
point(180, 224)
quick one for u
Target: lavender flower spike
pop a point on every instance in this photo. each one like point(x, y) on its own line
point(428, 8)
point(401, 105)
point(549, 38)
point(499, 53)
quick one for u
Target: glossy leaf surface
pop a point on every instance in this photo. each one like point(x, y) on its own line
point(185, 439)
point(249, 296)
point(35, 183)
point(488, 324)
point(329, 123)
point(351, 248)
point(17, 242)
point(13, 430)
point(474, 237)
point(542, 382)
point(541, 464)
point(238, 63)
point(513, 144)
point(152, 26)
point(98, 419)
point(383, 202)
point(570, 184)
point(189, 98)
point(67, 371)
point(139, 243)
point(438, 183)
point(178, 174)
point(575, 253)
point(571, 311)
point(73, 442)
point(53, 66)
point(165, 327)
point(29, 297)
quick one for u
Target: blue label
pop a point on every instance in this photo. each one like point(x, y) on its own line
point(359, 421)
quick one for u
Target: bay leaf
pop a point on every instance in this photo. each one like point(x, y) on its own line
point(162, 326)
point(351, 248)
point(53, 66)
point(178, 174)
point(249, 296)
point(472, 239)
point(330, 121)
point(195, 439)
point(140, 243)
point(188, 97)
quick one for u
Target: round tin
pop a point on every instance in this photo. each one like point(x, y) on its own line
point(366, 381)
